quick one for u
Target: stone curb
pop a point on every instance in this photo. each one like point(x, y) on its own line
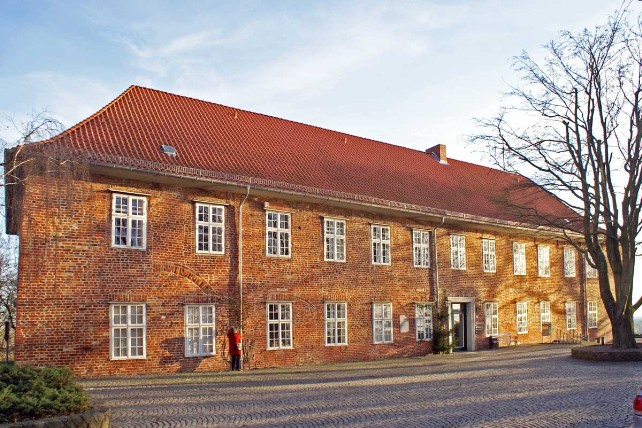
point(606, 354)
point(99, 416)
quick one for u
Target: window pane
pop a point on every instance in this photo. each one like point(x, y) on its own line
point(119, 343)
point(138, 206)
point(217, 239)
point(330, 310)
point(136, 233)
point(329, 226)
point(285, 312)
point(272, 243)
point(284, 221)
point(273, 335)
point(217, 215)
point(120, 231)
point(285, 334)
point(192, 341)
point(272, 220)
point(192, 315)
point(207, 339)
point(385, 234)
point(387, 311)
point(341, 249)
point(207, 314)
point(202, 213)
point(120, 205)
point(378, 311)
point(386, 253)
point(341, 310)
point(203, 233)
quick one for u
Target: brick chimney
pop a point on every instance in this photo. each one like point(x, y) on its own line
point(439, 153)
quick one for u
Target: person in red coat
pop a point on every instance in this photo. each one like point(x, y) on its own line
point(236, 347)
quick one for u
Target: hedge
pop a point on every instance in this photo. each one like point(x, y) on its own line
point(33, 393)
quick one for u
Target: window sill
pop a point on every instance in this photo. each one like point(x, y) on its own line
point(127, 358)
point(209, 253)
point(273, 256)
point(124, 247)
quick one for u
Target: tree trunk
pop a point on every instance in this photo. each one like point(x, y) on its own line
point(622, 328)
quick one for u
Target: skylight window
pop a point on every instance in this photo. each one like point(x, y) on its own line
point(169, 150)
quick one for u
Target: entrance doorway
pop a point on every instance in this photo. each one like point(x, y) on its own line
point(459, 326)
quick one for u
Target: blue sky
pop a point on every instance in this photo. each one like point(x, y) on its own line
point(411, 73)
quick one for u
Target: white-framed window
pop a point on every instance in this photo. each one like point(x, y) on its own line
point(543, 260)
point(423, 321)
point(569, 262)
point(421, 248)
point(592, 314)
point(489, 260)
point(571, 315)
point(210, 229)
point(380, 238)
point(129, 221)
point(277, 234)
point(336, 324)
point(491, 318)
point(127, 331)
point(334, 237)
point(382, 322)
point(519, 258)
point(199, 330)
point(279, 325)
point(591, 272)
point(458, 252)
point(544, 313)
point(522, 317)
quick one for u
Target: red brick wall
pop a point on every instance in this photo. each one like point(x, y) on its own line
point(69, 274)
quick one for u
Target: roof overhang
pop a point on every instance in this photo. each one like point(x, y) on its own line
point(257, 187)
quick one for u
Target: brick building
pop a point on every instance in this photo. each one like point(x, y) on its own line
point(181, 218)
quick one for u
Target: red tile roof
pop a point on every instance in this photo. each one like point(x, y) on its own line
point(222, 142)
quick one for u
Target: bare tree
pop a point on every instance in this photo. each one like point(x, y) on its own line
point(573, 124)
point(14, 136)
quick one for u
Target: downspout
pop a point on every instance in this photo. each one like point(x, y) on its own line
point(586, 328)
point(240, 257)
point(434, 235)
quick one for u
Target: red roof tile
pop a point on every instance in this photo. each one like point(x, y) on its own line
point(223, 142)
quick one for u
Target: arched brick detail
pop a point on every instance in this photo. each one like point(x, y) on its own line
point(183, 271)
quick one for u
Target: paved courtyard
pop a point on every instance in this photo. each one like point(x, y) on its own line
point(529, 386)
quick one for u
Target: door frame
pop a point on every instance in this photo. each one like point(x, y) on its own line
point(470, 319)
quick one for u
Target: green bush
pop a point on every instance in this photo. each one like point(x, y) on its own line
point(441, 335)
point(35, 393)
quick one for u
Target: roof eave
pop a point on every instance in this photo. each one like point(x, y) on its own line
point(427, 213)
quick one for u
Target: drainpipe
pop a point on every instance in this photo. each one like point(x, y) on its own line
point(240, 257)
point(586, 328)
point(434, 235)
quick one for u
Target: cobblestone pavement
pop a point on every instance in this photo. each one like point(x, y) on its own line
point(527, 386)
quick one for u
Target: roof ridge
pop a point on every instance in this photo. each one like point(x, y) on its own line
point(346, 134)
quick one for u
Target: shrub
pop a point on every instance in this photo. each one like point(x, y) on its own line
point(441, 341)
point(34, 393)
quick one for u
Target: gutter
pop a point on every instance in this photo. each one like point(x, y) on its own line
point(438, 213)
point(240, 258)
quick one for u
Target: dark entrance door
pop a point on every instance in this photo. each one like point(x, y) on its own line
point(458, 311)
